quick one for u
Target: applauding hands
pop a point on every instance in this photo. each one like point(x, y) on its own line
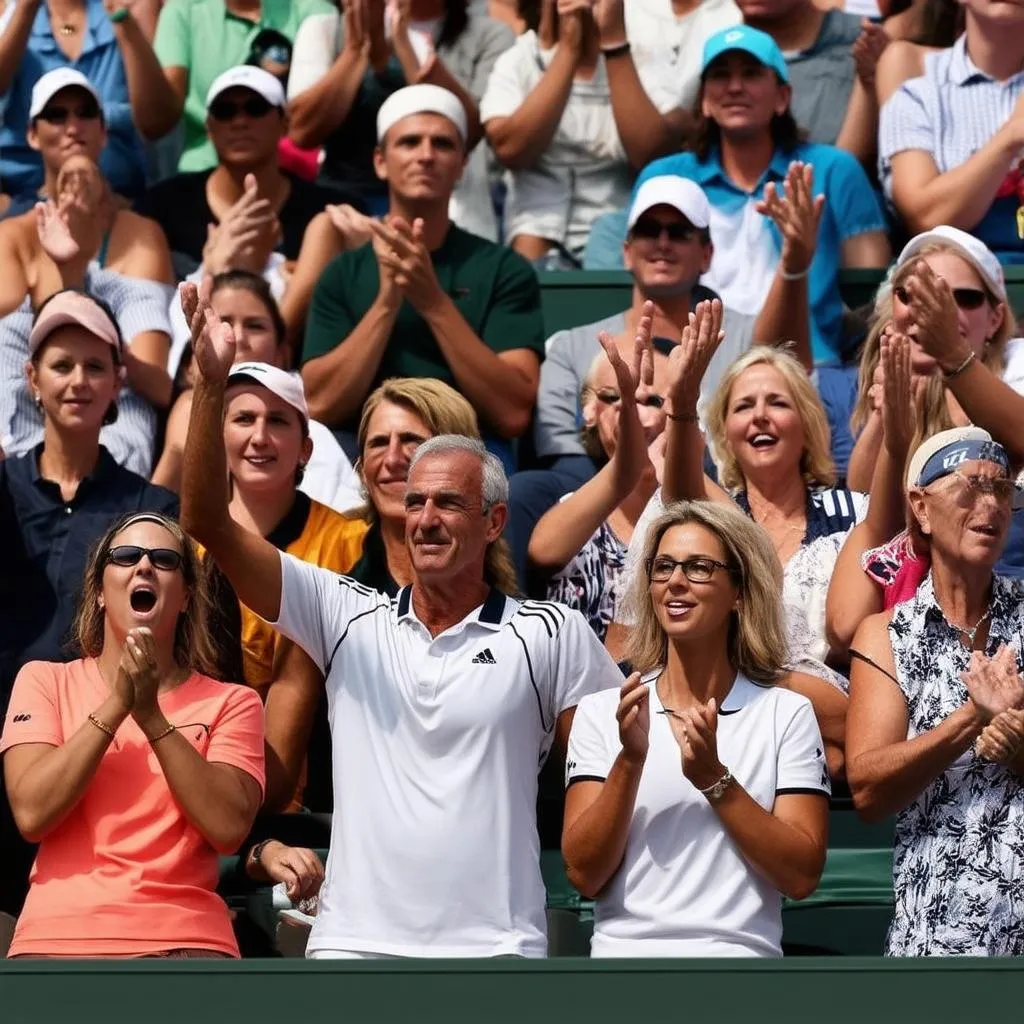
point(689, 360)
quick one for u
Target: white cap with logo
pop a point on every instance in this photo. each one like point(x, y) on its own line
point(245, 76)
point(976, 252)
point(287, 386)
point(681, 194)
point(52, 82)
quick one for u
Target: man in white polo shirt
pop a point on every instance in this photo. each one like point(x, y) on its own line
point(443, 702)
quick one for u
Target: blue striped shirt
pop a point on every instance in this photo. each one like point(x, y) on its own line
point(951, 112)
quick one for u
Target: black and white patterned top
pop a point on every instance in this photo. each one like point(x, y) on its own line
point(958, 862)
point(593, 582)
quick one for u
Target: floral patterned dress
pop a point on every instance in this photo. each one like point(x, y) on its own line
point(958, 862)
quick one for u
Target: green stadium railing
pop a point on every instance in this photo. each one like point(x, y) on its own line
point(796, 991)
point(573, 297)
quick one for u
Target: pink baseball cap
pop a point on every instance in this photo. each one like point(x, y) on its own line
point(75, 308)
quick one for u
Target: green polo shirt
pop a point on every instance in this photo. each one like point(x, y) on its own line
point(494, 289)
point(207, 39)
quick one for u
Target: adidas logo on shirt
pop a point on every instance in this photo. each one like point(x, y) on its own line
point(484, 658)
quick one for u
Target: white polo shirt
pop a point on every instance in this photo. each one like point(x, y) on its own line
point(683, 888)
point(436, 748)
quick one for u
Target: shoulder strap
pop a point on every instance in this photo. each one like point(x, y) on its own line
point(873, 664)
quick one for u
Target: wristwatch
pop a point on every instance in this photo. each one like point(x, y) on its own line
point(253, 860)
point(716, 790)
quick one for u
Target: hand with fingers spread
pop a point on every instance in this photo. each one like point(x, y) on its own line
point(1001, 740)
point(55, 232)
point(298, 869)
point(797, 215)
point(994, 684)
point(867, 48)
point(630, 455)
point(397, 16)
point(353, 226)
point(405, 263)
point(897, 406)
point(934, 318)
point(634, 717)
point(696, 731)
point(689, 360)
point(213, 340)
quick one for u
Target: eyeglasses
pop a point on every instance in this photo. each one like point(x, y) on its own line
point(126, 555)
point(227, 110)
point(965, 298)
point(650, 229)
point(611, 397)
point(697, 569)
point(972, 486)
point(87, 110)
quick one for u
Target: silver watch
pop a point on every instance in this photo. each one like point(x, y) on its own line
point(716, 790)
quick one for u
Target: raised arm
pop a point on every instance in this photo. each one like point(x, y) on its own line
point(251, 564)
point(15, 39)
point(786, 314)
point(567, 526)
point(859, 133)
point(852, 594)
point(683, 476)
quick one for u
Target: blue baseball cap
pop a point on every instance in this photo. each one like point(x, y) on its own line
point(758, 44)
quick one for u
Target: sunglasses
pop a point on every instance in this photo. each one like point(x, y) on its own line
point(965, 298)
point(127, 555)
point(650, 230)
point(610, 397)
point(87, 110)
point(227, 110)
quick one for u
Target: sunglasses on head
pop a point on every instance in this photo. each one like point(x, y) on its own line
point(650, 229)
point(126, 555)
point(965, 298)
point(87, 110)
point(252, 106)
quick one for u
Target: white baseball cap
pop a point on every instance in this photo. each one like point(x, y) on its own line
point(245, 76)
point(976, 252)
point(52, 82)
point(421, 99)
point(681, 194)
point(287, 386)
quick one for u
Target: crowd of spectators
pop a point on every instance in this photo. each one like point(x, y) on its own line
point(313, 540)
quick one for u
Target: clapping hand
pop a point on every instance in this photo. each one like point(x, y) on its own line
point(139, 665)
point(233, 241)
point(688, 361)
point(213, 340)
point(993, 684)
point(867, 48)
point(353, 226)
point(897, 405)
point(696, 731)
point(1001, 740)
point(55, 232)
point(571, 14)
point(634, 717)
point(355, 27)
point(796, 214)
point(934, 317)
point(404, 261)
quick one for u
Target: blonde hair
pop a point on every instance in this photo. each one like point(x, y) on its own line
point(816, 465)
point(590, 437)
point(194, 647)
point(932, 413)
point(757, 644)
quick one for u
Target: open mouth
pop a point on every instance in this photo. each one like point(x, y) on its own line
point(985, 529)
point(142, 600)
point(763, 441)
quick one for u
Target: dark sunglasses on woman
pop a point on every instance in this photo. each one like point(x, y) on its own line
point(126, 555)
point(87, 110)
point(227, 110)
point(965, 298)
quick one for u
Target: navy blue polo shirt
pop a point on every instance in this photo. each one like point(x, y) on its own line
point(46, 542)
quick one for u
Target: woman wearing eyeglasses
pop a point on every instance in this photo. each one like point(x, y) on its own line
point(935, 732)
point(697, 796)
point(582, 541)
point(132, 767)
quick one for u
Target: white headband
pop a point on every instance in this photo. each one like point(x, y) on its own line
point(421, 99)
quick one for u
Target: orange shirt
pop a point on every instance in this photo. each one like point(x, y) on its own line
point(126, 873)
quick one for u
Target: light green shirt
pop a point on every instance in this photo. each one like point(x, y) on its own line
point(206, 39)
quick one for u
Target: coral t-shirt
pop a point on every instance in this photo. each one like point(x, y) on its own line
point(126, 873)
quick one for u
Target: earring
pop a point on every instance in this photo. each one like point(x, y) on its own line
point(37, 399)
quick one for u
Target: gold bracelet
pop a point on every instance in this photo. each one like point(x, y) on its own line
point(950, 374)
point(101, 725)
point(166, 732)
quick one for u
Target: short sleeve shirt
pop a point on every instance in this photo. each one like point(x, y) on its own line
point(683, 888)
point(205, 38)
point(748, 245)
point(494, 289)
point(126, 872)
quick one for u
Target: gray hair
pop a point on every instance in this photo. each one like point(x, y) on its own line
point(495, 483)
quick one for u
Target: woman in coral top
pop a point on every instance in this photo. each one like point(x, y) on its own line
point(132, 767)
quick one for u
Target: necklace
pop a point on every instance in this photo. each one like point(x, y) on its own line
point(970, 632)
point(68, 29)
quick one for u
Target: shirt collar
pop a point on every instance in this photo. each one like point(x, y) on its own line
point(778, 167)
point(742, 693)
point(104, 469)
point(961, 68)
point(1002, 606)
point(491, 614)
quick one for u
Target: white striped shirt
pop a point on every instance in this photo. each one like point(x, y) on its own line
point(139, 306)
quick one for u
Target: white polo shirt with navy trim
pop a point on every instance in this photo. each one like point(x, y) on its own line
point(683, 888)
point(437, 743)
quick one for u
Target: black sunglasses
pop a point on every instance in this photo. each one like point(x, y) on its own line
point(965, 298)
point(87, 110)
point(226, 110)
point(610, 397)
point(650, 230)
point(131, 554)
